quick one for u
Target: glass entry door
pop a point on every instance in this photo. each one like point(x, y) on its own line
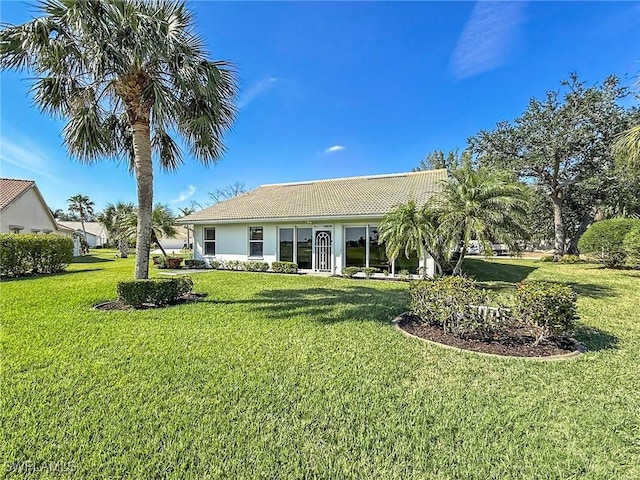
point(323, 251)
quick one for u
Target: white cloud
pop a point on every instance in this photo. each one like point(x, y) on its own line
point(255, 90)
point(334, 148)
point(184, 195)
point(26, 155)
point(487, 37)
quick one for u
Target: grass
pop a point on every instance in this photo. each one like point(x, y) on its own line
point(278, 376)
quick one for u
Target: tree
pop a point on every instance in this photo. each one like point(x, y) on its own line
point(162, 224)
point(227, 192)
point(187, 211)
point(484, 204)
point(128, 76)
point(562, 144)
point(627, 146)
point(437, 159)
point(408, 229)
point(117, 220)
point(83, 207)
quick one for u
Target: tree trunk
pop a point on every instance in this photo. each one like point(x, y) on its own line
point(123, 245)
point(558, 222)
point(84, 232)
point(144, 182)
point(155, 239)
point(587, 220)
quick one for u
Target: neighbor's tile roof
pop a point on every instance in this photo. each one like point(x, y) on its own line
point(10, 189)
point(340, 197)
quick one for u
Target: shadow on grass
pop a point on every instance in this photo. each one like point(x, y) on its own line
point(47, 275)
point(90, 259)
point(595, 339)
point(330, 305)
point(484, 271)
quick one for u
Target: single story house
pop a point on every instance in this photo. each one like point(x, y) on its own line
point(322, 225)
point(23, 209)
point(97, 235)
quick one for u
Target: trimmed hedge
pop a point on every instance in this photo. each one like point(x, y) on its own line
point(550, 306)
point(452, 303)
point(195, 264)
point(156, 291)
point(255, 266)
point(284, 267)
point(350, 272)
point(31, 253)
point(604, 240)
point(631, 246)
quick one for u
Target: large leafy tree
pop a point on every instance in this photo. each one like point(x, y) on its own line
point(437, 159)
point(483, 204)
point(117, 219)
point(129, 77)
point(562, 144)
point(82, 206)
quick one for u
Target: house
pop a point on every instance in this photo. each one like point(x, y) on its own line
point(177, 243)
point(322, 225)
point(97, 235)
point(22, 208)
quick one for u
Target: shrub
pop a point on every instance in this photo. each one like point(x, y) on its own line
point(570, 259)
point(350, 272)
point(547, 258)
point(631, 246)
point(26, 254)
point(255, 266)
point(232, 265)
point(284, 267)
point(549, 306)
point(156, 291)
point(452, 303)
point(368, 271)
point(604, 240)
point(403, 274)
point(195, 264)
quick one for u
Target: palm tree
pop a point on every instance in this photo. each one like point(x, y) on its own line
point(408, 229)
point(128, 76)
point(627, 146)
point(116, 219)
point(81, 205)
point(488, 205)
point(162, 224)
point(187, 211)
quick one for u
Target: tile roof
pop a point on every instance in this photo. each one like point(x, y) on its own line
point(340, 197)
point(92, 228)
point(11, 189)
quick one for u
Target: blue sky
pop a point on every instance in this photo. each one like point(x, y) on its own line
point(334, 89)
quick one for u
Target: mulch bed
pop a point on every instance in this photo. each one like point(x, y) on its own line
point(514, 341)
point(120, 305)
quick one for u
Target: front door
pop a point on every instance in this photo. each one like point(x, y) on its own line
point(323, 251)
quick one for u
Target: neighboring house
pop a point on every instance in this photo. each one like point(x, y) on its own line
point(178, 242)
point(22, 208)
point(97, 235)
point(322, 225)
point(73, 235)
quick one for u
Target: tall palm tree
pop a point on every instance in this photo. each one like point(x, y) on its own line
point(407, 229)
point(488, 205)
point(116, 219)
point(83, 207)
point(128, 76)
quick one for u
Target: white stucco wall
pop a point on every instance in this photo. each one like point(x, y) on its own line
point(232, 240)
point(28, 212)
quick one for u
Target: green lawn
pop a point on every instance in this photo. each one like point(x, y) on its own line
point(277, 376)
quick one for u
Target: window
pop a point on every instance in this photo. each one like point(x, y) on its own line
point(377, 253)
point(255, 241)
point(355, 246)
point(286, 245)
point(304, 247)
point(209, 241)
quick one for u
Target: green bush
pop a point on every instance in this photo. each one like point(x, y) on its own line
point(550, 306)
point(156, 291)
point(368, 271)
point(631, 246)
point(350, 272)
point(604, 240)
point(284, 267)
point(570, 259)
point(452, 303)
point(547, 258)
point(195, 264)
point(31, 253)
point(232, 265)
point(255, 266)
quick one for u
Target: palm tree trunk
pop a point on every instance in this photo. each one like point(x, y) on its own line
point(155, 239)
point(144, 182)
point(84, 232)
point(123, 245)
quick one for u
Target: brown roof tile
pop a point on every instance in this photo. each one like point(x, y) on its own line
point(10, 189)
point(340, 197)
